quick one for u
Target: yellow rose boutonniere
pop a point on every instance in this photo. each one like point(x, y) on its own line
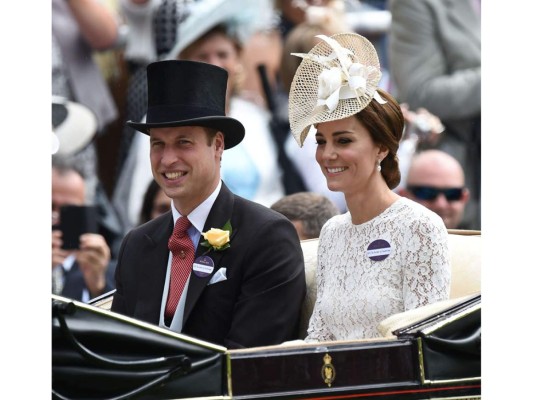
point(217, 239)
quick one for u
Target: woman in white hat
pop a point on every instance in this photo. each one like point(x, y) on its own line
point(386, 254)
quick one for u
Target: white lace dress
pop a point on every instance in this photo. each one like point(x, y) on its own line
point(365, 273)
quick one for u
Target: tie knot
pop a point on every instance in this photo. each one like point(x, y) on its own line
point(180, 239)
point(182, 224)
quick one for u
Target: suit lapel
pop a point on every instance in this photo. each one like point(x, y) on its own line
point(220, 214)
point(154, 261)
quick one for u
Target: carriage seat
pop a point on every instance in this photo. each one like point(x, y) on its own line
point(465, 249)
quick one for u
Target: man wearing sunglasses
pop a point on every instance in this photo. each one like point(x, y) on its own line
point(436, 180)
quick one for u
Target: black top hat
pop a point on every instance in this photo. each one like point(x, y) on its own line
point(189, 93)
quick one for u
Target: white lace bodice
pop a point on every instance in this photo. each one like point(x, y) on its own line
point(355, 293)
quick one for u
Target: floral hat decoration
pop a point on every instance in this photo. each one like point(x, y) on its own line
point(336, 79)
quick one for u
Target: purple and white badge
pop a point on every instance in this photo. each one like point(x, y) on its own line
point(378, 250)
point(203, 266)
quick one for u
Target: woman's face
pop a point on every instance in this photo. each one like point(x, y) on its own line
point(217, 49)
point(347, 155)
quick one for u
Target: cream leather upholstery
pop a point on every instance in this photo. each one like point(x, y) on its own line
point(465, 249)
point(104, 302)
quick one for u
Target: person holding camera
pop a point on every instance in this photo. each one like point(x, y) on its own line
point(85, 272)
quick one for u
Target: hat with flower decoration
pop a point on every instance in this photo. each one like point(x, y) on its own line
point(336, 79)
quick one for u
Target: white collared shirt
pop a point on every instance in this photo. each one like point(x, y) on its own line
point(197, 217)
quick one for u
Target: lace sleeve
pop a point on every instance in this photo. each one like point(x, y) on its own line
point(427, 272)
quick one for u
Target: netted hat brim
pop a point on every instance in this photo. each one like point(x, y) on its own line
point(303, 95)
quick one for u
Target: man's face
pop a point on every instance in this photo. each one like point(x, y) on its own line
point(433, 185)
point(186, 163)
point(68, 188)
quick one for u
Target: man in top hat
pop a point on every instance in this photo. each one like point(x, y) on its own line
point(242, 282)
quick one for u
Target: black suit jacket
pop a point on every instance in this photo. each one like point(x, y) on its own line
point(259, 304)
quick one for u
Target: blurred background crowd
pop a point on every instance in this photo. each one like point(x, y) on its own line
point(430, 55)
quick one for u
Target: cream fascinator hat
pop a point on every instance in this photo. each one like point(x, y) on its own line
point(336, 79)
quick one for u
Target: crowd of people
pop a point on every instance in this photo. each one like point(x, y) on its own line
point(215, 168)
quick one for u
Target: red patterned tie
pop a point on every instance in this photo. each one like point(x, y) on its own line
point(182, 248)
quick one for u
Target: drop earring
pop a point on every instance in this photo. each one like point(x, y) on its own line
point(378, 166)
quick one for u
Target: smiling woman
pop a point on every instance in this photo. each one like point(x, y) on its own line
point(387, 254)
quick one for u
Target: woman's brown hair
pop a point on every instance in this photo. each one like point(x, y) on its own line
point(385, 123)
